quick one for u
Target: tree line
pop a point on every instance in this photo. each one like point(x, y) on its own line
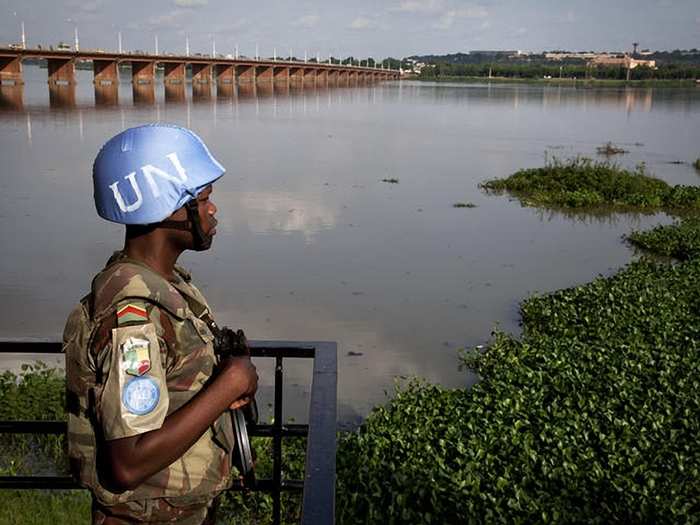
point(568, 71)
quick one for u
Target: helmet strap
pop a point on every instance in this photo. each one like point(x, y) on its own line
point(193, 224)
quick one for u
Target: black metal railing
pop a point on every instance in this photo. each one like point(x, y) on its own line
point(318, 485)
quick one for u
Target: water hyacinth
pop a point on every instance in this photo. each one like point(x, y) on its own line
point(583, 183)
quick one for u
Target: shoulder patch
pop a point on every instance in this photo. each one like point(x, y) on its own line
point(136, 356)
point(141, 395)
point(131, 313)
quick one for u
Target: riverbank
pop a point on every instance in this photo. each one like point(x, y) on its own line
point(568, 82)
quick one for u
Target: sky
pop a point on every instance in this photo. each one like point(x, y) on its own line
point(378, 28)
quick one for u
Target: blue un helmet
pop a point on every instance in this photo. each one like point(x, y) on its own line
point(143, 174)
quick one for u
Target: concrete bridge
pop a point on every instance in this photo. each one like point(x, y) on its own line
point(205, 70)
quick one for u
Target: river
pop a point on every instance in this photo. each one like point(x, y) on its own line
point(312, 244)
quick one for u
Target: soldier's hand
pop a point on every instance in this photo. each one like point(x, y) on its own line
point(241, 375)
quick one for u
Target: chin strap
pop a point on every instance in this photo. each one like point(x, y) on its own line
point(193, 225)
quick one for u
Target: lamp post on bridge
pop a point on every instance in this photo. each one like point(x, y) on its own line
point(187, 46)
point(119, 42)
point(156, 43)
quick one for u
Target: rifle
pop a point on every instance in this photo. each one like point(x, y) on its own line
point(228, 343)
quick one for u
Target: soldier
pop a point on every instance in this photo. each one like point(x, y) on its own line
point(148, 429)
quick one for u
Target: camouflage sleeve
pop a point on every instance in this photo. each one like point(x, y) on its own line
point(132, 394)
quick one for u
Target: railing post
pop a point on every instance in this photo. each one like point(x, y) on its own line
point(277, 444)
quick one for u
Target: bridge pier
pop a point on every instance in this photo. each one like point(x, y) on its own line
point(247, 89)
point(343, 78)
point(333, 78)
point(225, 74)
point(62, 95)
point(296, 75)
point(175, 92)
point(309, 77)
point(322, 76)
point(264, 73)
point(201, 91)
point(245, 74)
point(106, 94)
point(61, 71)
point(12, 97)
point(280, 74)
point(144, 94)
point(201, 74)
point(105, 72)
point(11, 70)
point(174, 73)
point(225, 90)
point(143, 72)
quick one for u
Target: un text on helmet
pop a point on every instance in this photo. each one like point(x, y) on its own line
point(148, 171)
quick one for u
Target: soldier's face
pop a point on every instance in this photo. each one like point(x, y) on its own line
point(207, 211)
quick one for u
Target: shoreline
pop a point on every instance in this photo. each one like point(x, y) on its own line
point(569, 82)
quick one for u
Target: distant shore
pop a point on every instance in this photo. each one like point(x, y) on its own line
point(576, 82)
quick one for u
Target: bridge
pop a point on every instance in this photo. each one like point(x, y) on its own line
point(205, 70)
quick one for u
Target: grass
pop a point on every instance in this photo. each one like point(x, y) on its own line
point(38, 507)
point(580, 183)
point(464, 205)
point(609, 149)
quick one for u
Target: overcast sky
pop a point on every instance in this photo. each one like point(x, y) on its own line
point(360, 27)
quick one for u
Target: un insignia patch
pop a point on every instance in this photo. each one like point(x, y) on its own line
point(141, 395)
point(136, 358)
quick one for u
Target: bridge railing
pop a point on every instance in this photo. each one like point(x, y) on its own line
point(318, 485)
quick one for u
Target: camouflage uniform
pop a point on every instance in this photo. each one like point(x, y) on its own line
point(136, 352)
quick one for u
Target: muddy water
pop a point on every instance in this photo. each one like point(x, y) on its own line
point(312, 245)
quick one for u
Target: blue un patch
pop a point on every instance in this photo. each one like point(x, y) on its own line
point(141, 395)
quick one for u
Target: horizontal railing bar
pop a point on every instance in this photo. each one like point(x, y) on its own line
point(60, 427)
point(33, 427)
point(287, 430)
point(38, 482)
point(67, 482)
point(294, 349)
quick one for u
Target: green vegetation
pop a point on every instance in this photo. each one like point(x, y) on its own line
point(582, 183)
point(464, 205)
point(591, 416)
point(680, 240)
point(696, 164)
point(609, 149)
point(37, 393)
point(34, 507)
point(391, 180)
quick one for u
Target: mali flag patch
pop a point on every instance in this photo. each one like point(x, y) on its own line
point(131, 313)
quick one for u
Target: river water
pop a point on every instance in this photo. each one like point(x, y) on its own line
point(312, 245)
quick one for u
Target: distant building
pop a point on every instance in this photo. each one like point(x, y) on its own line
point(623, 61)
